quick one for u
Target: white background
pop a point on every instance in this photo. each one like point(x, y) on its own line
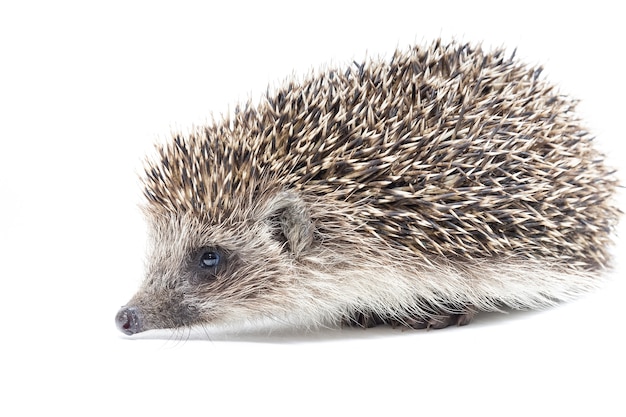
point(86, 88)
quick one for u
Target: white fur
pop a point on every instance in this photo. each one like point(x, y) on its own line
point(321, 297)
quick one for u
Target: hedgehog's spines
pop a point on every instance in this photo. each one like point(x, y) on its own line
point(448, 151)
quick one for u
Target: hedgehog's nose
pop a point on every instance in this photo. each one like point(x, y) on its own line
point(127, 320)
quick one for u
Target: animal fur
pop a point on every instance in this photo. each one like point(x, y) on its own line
point(417, 191)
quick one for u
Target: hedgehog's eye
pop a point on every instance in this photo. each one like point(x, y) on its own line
point(205, 265)
point(209, 259)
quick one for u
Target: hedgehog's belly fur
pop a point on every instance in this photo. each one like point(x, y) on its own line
point(435, 295)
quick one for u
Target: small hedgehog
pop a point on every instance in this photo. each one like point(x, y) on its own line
point(415, 191)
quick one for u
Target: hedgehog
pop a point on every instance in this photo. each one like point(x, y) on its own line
point(413, 191)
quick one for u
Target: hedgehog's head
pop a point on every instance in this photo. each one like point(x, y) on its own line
point(201, 272)
point(216, 254)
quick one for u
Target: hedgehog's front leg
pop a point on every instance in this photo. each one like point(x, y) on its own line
point(437, 320)
point(362, 319)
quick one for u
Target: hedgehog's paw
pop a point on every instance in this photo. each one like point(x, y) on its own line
point(436, 321)
point(441, 320)
point(362, 319)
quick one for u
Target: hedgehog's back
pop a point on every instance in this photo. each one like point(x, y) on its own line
point(449, 150)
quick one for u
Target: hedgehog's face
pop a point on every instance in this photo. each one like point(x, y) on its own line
point(199, 272)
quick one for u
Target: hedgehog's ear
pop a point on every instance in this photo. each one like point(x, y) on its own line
point(288, 215)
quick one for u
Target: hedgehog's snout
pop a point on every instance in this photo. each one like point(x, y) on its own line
point(128, 320)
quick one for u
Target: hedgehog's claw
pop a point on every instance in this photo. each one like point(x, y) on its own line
point(434, 321)
point(437, 321)
point(362, 319)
